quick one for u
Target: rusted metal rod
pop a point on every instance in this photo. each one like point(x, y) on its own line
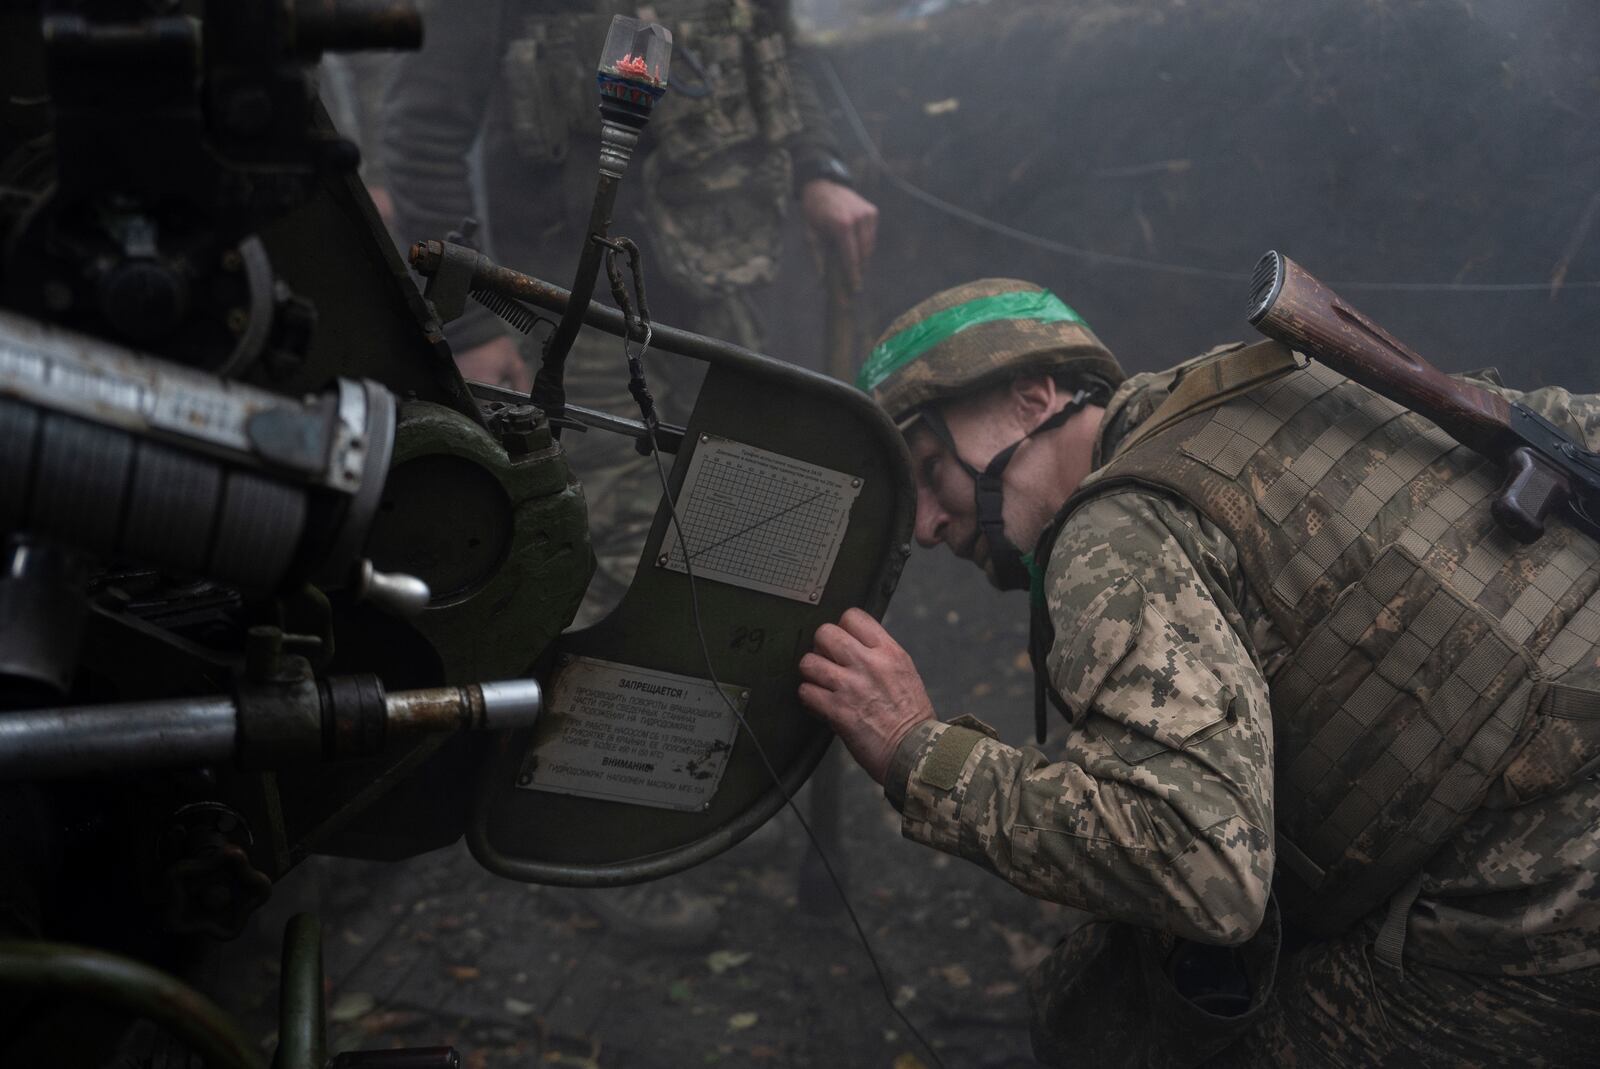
point(38, 744)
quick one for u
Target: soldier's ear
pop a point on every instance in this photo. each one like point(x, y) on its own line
point(1032, 396)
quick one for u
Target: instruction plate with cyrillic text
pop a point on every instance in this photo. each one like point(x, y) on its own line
point(630, 734)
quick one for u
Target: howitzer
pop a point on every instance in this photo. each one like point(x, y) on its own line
point(276, 582)
point(1546, 470)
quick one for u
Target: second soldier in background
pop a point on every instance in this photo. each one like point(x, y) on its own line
point(739, 134)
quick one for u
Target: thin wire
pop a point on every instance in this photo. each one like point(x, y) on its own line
point(652, 422)
point(1092, 256)
point(788, 799)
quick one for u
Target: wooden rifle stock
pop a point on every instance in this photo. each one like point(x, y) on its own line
point(1288, 304)
point(1546, 470)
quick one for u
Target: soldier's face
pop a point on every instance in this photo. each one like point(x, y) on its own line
point(947, 511)
point(1037, 481)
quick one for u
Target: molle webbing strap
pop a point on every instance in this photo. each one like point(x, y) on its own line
point(1296, 483)
point(1444, 509)
point(1563, 570)
point(1454, 798)
point(1217, 381)
point(1341, 530)
point(1442, 721)
point(1310, 873)
point(1573, 703)
point(1575, 641)
point(1389, 947)
point(1238, 431)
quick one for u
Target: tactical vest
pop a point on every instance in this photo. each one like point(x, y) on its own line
point(716, 178)
point(730, 84)
point(1426, 644)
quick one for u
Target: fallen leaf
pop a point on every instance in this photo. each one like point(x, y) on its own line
point(720, 961)
point(982, 689)
point(679, 991)
point(1022, 662)
point(952, 618)
point(1001, 989)
point(905, 994)
point(374, 1024)
point(764, 1052)
point(941, 107)
point(740, 1021)
point(838, 970)
point(908, 1061)
point(351, 1005)
point(956, 976)
point(517, 1007)
point(463, 972)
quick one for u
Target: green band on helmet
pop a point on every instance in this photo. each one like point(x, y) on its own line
point(898, 350)
point(1035, 579)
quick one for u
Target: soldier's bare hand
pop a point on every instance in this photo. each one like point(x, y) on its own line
point(496, 362)
point(860, 680)
point(845, 219)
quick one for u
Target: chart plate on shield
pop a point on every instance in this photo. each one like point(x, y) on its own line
point(760, 520)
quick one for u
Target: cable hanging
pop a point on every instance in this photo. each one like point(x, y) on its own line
point(637, 318)
point(859, 130)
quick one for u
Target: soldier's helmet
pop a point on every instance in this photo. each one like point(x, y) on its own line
point(971, 337)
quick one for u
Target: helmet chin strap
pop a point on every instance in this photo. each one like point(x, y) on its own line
point(1011, 569)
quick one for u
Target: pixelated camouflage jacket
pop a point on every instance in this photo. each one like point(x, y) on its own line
point(1194, 690)
point(520, 74)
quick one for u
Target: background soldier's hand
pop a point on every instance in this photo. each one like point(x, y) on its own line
point(496, 362)
point(860, 680)
point(845, 219)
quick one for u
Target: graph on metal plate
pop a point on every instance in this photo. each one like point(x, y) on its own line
point(760, 520)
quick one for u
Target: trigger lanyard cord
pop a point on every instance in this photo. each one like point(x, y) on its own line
point(638, 322)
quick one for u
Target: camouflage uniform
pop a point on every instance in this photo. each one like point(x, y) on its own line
point(740, 130)
point(1295, 651)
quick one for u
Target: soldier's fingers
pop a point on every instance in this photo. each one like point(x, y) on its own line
point(867, 235)
point(864, 629)
point(819, 701)
point(521, 377)
point(821, 672)
point(836, 644)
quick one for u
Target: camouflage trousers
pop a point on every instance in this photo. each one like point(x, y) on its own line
point(1336, 1006)
point(1331, 1007)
